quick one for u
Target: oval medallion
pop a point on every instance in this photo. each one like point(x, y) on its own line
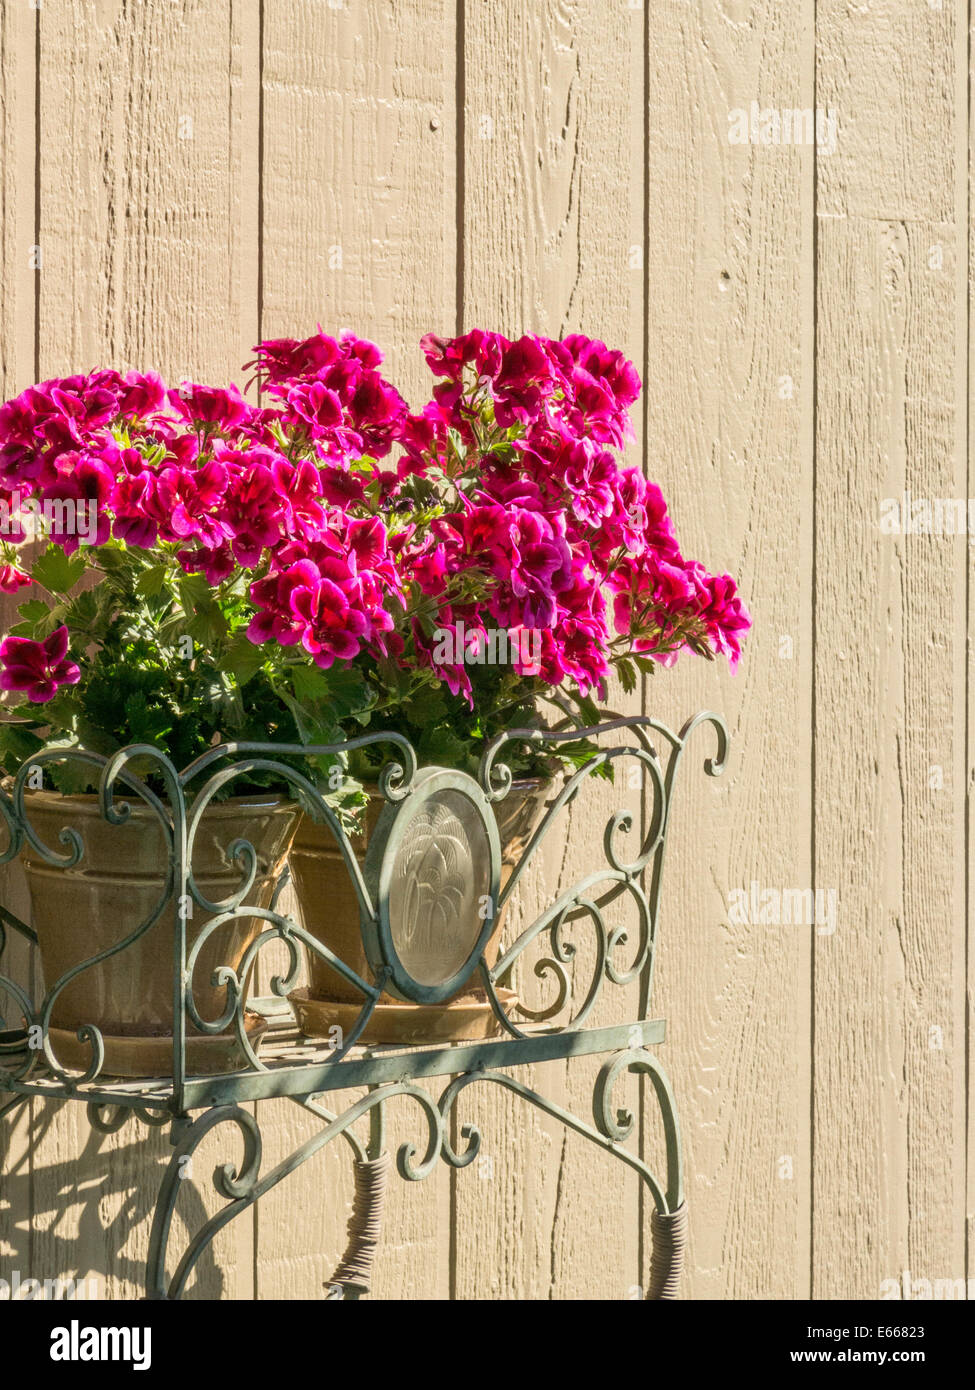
point(433, 870)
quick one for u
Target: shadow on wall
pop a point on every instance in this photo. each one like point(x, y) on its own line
point(86, 1216)
point(76, 1203)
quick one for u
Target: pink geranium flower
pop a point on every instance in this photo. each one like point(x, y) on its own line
point(210, 405)
point(12, 579)
point(275, 618)
point(331, 627)
point(37, 668)
point(193, 499)
point(142, 395)
point(83, 482)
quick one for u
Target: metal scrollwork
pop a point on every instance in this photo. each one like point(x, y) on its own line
point(621, 878)
point(599, 933)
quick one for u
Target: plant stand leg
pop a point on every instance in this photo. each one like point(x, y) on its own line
point(351, 1280)
point(365, 1227)
point(669, 1233)
point(668, 1228)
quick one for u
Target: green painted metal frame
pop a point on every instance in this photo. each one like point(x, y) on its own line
point(544, 1034)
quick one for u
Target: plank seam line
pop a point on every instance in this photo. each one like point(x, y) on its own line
point(460, 253)
point(37, 193)
point(968, 653)
point(460, 137)
point(642, 1079)
point(812, 657)
point(260, 173)
point(259, 307)
point(34, 1113)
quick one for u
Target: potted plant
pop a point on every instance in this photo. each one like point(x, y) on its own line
point(326, 563)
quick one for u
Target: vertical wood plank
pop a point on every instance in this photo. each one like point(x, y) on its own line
point(729, 439)
point(969, 694)
point(889, 1095)
point(359, 173)
point(148, 231)
point(148, 180)
point(553, 207)
point(17, 204)
point(358, 232)
point(16, 1154)
point(18, 280)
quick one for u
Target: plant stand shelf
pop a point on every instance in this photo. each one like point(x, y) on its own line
point(308, 1070)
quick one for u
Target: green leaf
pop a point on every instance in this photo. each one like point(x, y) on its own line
point(314, 726)
point(34, 611)
point(429, 710)
point(57, 572)
point(17, 744)
point(72, 777)
point(243, 659)
point(348, 693)
point(444, 747)
point(223, 695)
point(147, 724)
point(337, 694)
point(194, 592)
point(39, 619)
point(115, 558)
point(85, 610)
point(646, 664)
point(588, 708)
point(205, 621)
point(94, 738)
point(309, 683)
point(627, 674)
point(151, 581)
point(578, 753)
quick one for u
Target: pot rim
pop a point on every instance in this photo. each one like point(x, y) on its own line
point(87, 802)
point(517, 784)
point(526, 785)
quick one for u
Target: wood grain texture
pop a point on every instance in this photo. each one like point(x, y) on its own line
point(729, 401)
point(889, 1183)
point(358, 232)
point(148, 183)
point(552, 195)
point(967, 276)
point(148, 169)
point(18, 281)
point(359, 169)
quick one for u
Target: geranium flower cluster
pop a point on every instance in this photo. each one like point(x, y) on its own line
point(353, 530)
point(576, 546)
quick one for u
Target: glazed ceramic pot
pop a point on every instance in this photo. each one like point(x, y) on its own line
point(117, 884)
point(330, 911)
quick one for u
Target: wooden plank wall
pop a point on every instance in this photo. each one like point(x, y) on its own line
point(201, 172)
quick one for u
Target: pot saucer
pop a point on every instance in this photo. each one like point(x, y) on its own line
point(206, 1055)
point(467, 1019)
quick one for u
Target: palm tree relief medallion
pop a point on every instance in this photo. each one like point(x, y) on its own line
point(437, 856)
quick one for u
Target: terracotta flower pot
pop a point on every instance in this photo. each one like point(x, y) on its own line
point(330, 911)
point(80, 911)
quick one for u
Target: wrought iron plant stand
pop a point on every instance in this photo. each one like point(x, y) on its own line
point(306, 1070)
